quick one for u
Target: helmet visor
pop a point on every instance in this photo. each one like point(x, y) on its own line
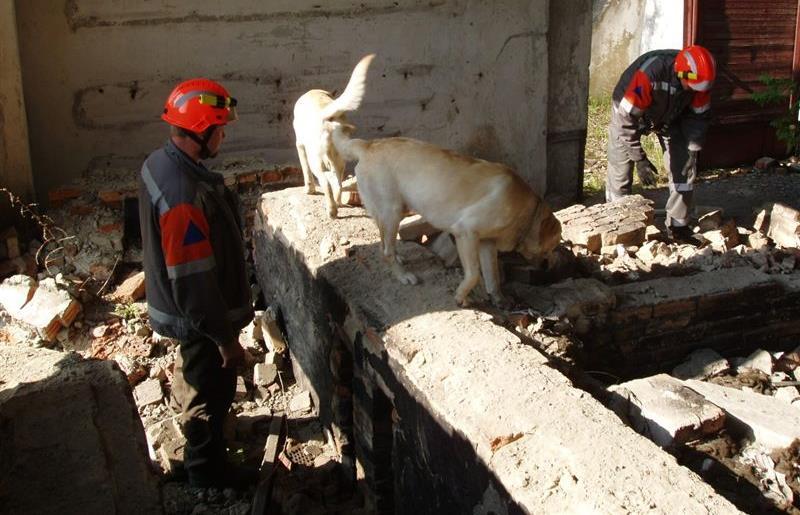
point(221, 102)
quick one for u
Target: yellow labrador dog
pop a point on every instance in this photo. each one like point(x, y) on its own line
point(485, 206)
point(318, 157)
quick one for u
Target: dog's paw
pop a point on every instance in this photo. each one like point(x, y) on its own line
point(333, 212)
point(311, 190)
point(462, 301)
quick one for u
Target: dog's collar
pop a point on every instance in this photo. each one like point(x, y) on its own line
point(525, 227)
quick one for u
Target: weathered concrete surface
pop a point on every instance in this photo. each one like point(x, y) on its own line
point(663, 409)
point(476, 420)
point(15, 158)
point(71, 440)
point(92, 92)
point(766, 420)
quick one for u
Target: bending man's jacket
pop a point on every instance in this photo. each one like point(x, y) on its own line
point(194, 262)
point(649, 98)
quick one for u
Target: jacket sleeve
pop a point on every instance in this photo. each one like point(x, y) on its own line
point(637, 98)
point(694, 122)
point(192, 272)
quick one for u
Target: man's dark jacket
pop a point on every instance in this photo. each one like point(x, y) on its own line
point(194, 261)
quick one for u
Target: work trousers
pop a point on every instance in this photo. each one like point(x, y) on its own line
point(619, 179)
point(203, 391)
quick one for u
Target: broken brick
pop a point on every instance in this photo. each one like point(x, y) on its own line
point(49, 310)
point(110, 228)
point(131, 289)
point(269, 176)
point(148, 392)
point(110, 197)
point(61, 195)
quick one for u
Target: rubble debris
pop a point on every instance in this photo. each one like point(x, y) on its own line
point(272, 333)
point(710, 221)
point(241, 389)
point(725, 238)
point(9, 244)
point(301, 402)
point(444, 247)
point(758, 360)
point(131, 289)
point(49, 310)
point(148, 392)
point(784, 226)
point(15, 292)
point(701, 364)
point(264, 374)
point(414, 227)
point(769, 421)
point(663, 409)
point(762, 222)
point(765, 164)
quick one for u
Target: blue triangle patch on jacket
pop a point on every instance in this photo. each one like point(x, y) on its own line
point(193, 234)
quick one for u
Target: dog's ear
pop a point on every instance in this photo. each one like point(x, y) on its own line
point(348, 128)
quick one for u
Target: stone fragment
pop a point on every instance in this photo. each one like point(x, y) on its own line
point(265, 374)
point(131, 289)
point(710, 221)
point(49, 310)
point(413, 227)
point(148, 392)
point(241, 389)
point(761, 223)
point(769, 421)
point(786, 394)
point(272, 333)
point(15, 292)
point(765, 163)
point(665, 410)
point(758, 360)
point(301, 402)
point(651, 232)
point(725, 238)
point(701, 364)
point(758, 241)
point(444, 247)
point(784, 226)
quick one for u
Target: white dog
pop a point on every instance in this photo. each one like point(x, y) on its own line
point(317, 155)
point(484, 205)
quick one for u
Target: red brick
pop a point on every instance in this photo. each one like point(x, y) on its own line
point(131, 289)
point(676, 307)
point(81, 210)
point(292, 170)
point(247, 178)
point(268, 176)
point(111, 197)
point(62, 194)
point(109, 228)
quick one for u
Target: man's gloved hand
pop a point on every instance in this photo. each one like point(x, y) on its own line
point(232, 354)
point(647, 172)
point(690, 167)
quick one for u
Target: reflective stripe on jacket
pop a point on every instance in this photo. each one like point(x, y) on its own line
point(194, 258)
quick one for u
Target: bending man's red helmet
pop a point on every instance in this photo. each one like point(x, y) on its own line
point(696, 65)
point(197, 104)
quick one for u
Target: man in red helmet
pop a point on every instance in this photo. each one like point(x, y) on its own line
point(196, 279)
point(667, 92)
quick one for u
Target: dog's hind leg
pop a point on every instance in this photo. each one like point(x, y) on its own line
point(328, 179)
point(467, 244)
point(491, 272)
point(308, 179)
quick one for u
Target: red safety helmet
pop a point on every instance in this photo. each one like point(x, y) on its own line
point(197, 104)
point(696, 65)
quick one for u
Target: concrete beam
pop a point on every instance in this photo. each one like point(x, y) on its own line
point(449, 411)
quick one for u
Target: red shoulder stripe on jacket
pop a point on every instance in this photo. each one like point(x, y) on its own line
point(638, 95)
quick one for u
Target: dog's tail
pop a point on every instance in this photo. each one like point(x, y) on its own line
point(350, 149)
point(351, 98)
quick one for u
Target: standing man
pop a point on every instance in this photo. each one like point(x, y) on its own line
point(197, 287)
point(667, 92)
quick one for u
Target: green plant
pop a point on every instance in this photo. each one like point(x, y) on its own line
point(126, 311)
point(776, 92)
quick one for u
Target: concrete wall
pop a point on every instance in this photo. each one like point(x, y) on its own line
point(15, 163)
point(568, 71)
point(466, 74)
point(624, 29)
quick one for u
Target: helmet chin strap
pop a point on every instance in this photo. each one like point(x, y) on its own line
point(205, 152)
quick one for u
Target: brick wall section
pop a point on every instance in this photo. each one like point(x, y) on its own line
point(656, 323)
point(621, 222)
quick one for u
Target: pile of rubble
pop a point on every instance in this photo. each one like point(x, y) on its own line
point(723, 416)
point(633, 248)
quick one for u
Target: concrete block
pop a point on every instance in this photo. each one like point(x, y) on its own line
point(264, 374)
point(271, 332)
point(131, 289)
point(784, 226)
point(758, 241)
point(444, 247)
point(49, 310)
point(710, 221)
point(148, 392)
point(300, 403)
point(701, 364)
point(768, 421)
point(665, 410)
point(15, 292)
point(628, 234)
point(758, 360)
point(414, 227)
point(651, 232)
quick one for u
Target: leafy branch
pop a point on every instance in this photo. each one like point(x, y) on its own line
point(781, 92)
